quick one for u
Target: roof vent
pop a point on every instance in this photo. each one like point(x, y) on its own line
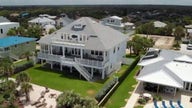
point(78, 27)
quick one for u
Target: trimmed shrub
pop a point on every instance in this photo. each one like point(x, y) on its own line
point(106, 88)
point(23, 67)
point(142, 101)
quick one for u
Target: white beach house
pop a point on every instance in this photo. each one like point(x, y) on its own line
point(166, 71)
point(86, 45)
point(6, 26)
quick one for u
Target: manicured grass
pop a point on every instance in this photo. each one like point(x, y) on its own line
point(138, 107)
point(117, 100)
point(62, 81)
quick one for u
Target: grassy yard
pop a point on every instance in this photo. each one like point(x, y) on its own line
point(117, 100)
point(62, 81)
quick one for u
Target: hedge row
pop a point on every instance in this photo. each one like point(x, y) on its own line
point(23, 67)
point(105, 89)
point(101, 94)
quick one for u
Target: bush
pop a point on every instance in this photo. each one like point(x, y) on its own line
point(142, 101)
point(157, 98)
point(106, 88)
point(23, 67)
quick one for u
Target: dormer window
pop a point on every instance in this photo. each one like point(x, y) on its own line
point(74, 36)
point(78, 27)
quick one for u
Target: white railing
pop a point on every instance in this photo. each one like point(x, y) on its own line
point(83, 71)
point(89, 62)
point(50, 57)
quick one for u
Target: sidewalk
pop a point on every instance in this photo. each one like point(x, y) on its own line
point(133, 99)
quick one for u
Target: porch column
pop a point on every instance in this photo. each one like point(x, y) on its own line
point(103, 74)
point(61, 67)
point(104, 55)
point(71, 69)
point(175, 91)
point(189, 86)
point(41, 61)
point(157, 88)
point(51, 49)
point(51, 65)
point(92, 72)
point(81, 53)
point(63, 51)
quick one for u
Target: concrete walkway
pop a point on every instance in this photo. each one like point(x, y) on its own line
point(133, 99)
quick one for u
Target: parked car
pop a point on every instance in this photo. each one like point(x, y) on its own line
point(189, 47)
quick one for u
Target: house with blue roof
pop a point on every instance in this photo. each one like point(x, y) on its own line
point(16, 46)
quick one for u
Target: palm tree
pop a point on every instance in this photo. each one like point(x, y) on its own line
point(6, 65)
point(27, 55)
point(26, 88)
point(22, 77)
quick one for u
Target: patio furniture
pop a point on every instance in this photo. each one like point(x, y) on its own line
point(179, 104)
point(52, 95)
point(163, 103)
point(155, 104)
point(171, 104)
point(147, 95)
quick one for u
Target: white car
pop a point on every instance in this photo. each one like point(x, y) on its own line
point(189, 46)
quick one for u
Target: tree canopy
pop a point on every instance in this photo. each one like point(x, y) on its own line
point(140, 44)
point(69, 99)
point(179, 33)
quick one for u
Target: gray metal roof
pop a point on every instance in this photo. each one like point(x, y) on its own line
point(106, 38)
point(3, 19)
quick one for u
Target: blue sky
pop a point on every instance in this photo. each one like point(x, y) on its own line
point(82, 2)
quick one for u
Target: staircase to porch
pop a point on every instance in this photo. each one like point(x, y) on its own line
point(80, 69)
point(68, 62)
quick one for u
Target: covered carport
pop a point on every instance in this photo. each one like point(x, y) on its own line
point(161, 78)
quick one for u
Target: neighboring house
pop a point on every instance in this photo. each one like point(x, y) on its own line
point(159, 24)
point(166, 71)
point(47, 28)
point(188, 30)
point(47, 16)
point(63, 21)
point(116, 23)
point(3, 19)
point(41, 21)
point(91, 48)
point(16, 46)
point(6, 26)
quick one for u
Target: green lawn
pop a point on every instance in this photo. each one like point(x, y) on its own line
point(117, 100)
point(62, 81)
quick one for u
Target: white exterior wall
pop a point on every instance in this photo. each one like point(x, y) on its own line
point(115, 59)
point(4, 27)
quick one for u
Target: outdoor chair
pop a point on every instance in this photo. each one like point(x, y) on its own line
point(179, 104)
point(171, 104)
point(155, 104)
point(163, 103)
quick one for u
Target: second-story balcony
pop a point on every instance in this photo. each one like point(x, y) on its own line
point(77, 59)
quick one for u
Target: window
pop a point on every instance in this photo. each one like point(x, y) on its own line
point(100, 53)
point(1, 31)
point(61, 37)
point(118, 48)
point(74, 36)
point(92, 52)
point(96, 52)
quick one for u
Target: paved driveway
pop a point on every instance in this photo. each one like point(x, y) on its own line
point(184, 50)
